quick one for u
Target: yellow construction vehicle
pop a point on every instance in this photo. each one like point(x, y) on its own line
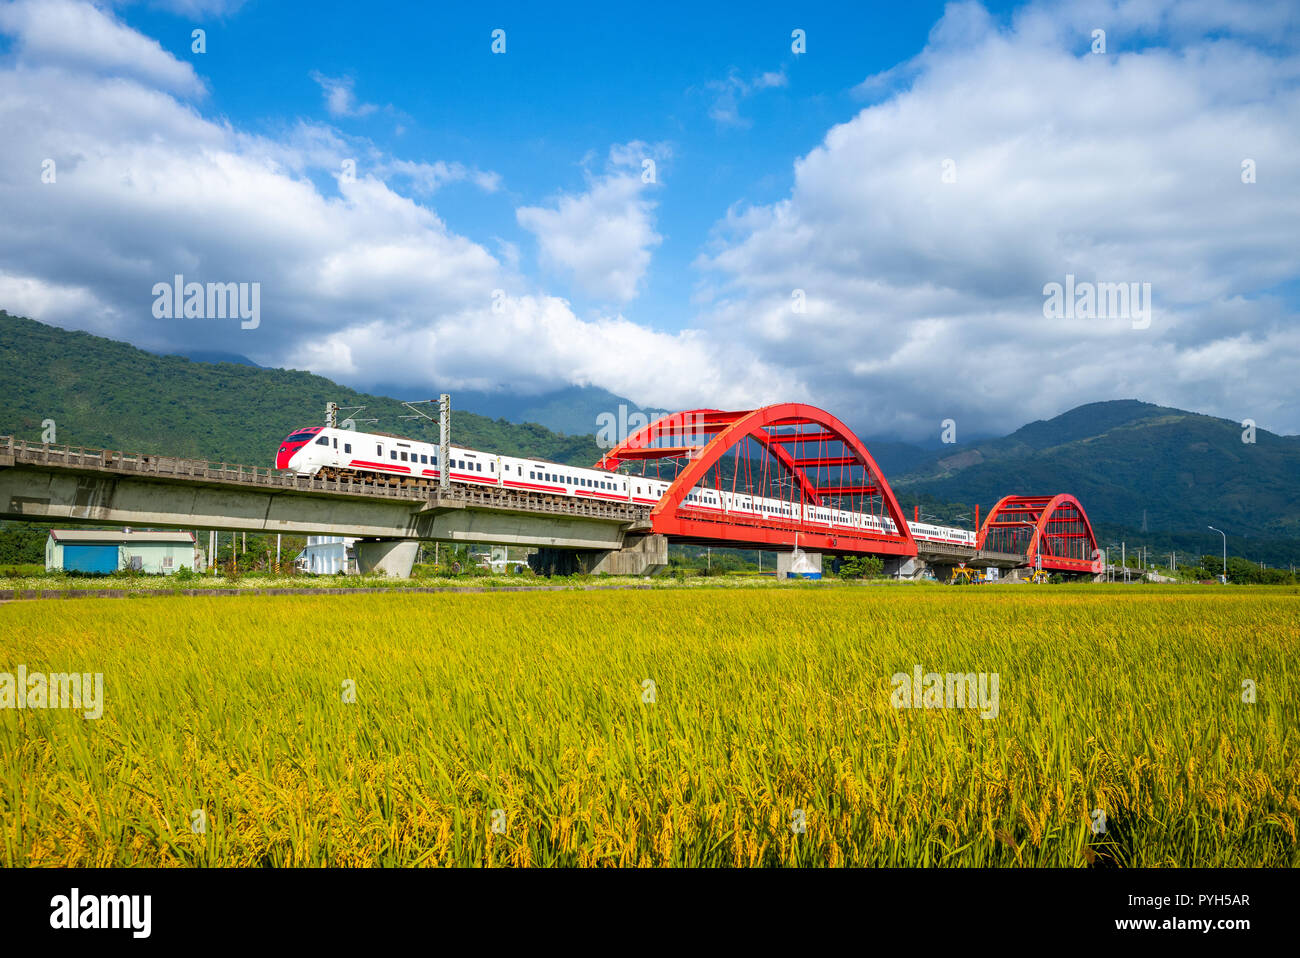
point(1039, 577)
point(964, 576)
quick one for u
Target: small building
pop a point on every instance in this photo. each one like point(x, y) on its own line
point(107, 550)
point(327, 555)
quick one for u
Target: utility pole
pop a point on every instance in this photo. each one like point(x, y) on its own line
point(277, 553)
point(1225, 550)
point(1123, 559)
point(444, 441)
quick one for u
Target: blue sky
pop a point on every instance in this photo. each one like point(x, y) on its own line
point(870, 225)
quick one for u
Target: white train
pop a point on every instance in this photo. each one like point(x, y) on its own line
point(344, 452)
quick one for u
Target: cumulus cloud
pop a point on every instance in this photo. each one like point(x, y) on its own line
point(83, 37)
point(922, 231)
point(358, 280)
point(603, 237)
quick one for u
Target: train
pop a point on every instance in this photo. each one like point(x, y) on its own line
point(336, 453)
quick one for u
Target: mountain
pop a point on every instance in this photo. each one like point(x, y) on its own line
point(106, 394)
point(1131, 463)
point(213, 356)
point(574, 410)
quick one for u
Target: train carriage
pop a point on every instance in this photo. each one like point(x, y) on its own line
point(341, 453)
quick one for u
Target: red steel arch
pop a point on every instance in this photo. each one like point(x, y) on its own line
point(773, 428)
point(1061, 533)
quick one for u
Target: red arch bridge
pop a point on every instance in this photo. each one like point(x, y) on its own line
point(792, 477)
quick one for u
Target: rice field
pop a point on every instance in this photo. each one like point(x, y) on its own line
point(719, 727)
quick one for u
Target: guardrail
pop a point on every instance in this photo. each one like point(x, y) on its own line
point(518, 500)
point(19, 451)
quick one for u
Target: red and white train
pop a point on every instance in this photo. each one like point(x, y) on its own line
point(345, 452)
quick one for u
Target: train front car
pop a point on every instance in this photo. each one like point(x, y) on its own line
point(290, 455)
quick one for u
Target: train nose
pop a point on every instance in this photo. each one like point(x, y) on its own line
point(282, 458)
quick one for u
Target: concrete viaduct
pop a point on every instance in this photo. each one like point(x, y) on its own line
point(42, 482)
point(50, 483)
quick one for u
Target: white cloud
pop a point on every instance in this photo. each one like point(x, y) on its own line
point(426, 178)
point(535, 342)
point(925, 297)
point(357, 280)
point(82, 37)
point(199, 8)
point(340, 96)
point(603, 238)
point(728, 93)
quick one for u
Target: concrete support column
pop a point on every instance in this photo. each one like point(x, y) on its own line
point(640, 555)
point(903, 567)
point(393, 557)
point(808, 562)
point(942, 572)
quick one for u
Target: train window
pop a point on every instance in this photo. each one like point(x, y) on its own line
point(403, 457)
point(379, 450)
point(478, 466)
point(392, 454)
point(531, 476)
point(424, 460)
point(347, 447)
point(322, 441)
point(336, 443)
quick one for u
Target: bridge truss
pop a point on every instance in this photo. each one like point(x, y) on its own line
point(797, 454)
point(1052, 532)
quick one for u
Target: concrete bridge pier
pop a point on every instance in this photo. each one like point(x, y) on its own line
point(903, 567)
point(943, 571)
point(395, 558)
point(640, 555)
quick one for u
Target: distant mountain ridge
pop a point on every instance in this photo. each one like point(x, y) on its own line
point(107, 394)
point(1125, 459)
